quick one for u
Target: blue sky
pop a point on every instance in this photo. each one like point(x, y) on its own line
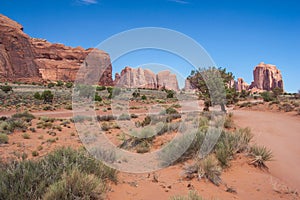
point(238, 34)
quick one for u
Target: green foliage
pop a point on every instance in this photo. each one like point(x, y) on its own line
point(267, 96)
point(26, 136)
point(100, 88)
point(106, 117)
point(29, 179)
point(6, 88)
point(59, 83)
point(37, 95)
point(277, 91)
point(69, 84)
point(231, 143)
point(97, 97)
point(143, 147)
point(171, 110)
point(51, 85)
point(144, 97)
point(3, 138)
point(244, 94)
point(136, 94)
point(170, 93)
point(47, 96)
point(76, 185)
point(35, 153)
point(26, 116)
point(9, 125)
point(146, 121)
point(212, 85)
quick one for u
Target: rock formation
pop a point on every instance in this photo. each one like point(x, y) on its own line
point(167, 80)
point(27, 59)
point(145, 78)
point(16, 53)
point(266, 77)
point(241, 85)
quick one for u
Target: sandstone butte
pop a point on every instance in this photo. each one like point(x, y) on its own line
point(145, 78)
point(266, 78)
point(27, 59)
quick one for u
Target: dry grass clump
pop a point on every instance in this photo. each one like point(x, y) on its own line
point(260, 156)
point(192, 195)
point(205, 168)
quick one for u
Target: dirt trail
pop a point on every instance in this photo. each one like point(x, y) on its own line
point(281, 133)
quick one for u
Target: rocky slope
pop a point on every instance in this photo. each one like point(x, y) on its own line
point(28, 59)
point(145, 78)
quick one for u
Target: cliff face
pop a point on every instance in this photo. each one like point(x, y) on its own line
point(16, 53)
point(266, 77)
point(145, 78)
point(167, 80)
point(27, 59)
point(241, 85)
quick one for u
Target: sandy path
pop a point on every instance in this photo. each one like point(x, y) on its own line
point(281, 133)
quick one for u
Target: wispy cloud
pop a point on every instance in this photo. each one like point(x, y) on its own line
point(87, 2)
point(180, 1)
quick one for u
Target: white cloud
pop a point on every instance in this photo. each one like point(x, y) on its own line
point(87, 2)
point(180, 1)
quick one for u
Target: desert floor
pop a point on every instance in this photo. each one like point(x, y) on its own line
point(278, 131)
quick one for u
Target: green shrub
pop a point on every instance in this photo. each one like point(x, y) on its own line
point(3, 138)
point(97, 97)
point(144, 97)
point(26, 116)
point(231, 143)
point(29, 179)
point(6, 88)
point(76, 185)
point(146, 121)
point(69, 84)
point(47, 96)
point(37, 95)
point(170, 93)
point(106, 118)
point(143, 147)
point(171, 110)
point(105, 126)
point(136, 94)
point(26, 136)
point(59, 83)
point(100, 88)
point(267, 96)
point(51, 85)
point(35, 153)
point(133, 116)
